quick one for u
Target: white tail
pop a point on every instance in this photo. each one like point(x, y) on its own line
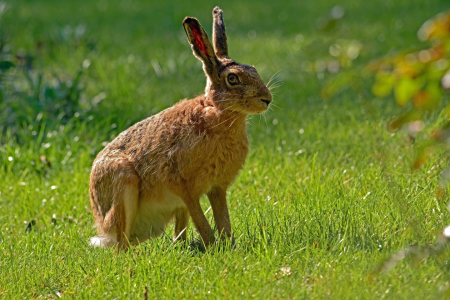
point(102, 241)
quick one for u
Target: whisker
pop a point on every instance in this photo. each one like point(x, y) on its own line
point(276, 85)
point(223, 100)
point(231, 123)
point(273, 76)
point(225, 120)
point(273, 104)
point(265, 120)
point(276, 81)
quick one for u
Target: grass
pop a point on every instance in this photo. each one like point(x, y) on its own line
point(326, 195)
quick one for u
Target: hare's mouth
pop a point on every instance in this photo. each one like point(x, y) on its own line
point(267, 102)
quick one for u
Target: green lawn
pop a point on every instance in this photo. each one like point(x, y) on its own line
point(326, 195)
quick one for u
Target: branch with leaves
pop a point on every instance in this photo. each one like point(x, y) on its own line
point(419, 81)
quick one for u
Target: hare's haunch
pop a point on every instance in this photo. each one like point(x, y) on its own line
point(158, 169)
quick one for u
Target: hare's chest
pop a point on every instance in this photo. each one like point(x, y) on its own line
point(225, 159)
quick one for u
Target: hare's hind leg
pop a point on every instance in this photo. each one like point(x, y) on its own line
point(127, 198)
point(114, 198)
point(181, 224)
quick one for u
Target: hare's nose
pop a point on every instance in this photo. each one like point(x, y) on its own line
point(266, 101)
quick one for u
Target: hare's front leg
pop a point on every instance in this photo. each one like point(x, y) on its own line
point(218, 199)
point(199, 219)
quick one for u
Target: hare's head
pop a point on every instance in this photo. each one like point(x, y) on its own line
point(233, 86)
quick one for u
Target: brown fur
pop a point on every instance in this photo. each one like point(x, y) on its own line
point(159, 168)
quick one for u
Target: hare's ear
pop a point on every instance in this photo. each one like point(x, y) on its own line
point(201, 46)
point(219, 35)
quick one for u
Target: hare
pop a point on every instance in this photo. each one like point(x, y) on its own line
point(158, 169)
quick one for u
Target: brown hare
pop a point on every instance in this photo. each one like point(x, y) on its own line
point(158, 169)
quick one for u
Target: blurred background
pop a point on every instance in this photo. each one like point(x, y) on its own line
point(74, 74)
point(125, 60)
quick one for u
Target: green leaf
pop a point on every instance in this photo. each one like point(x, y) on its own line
point(429, 98)
point(436, 94)
point(405, 89)
point(383, 85)
point(436, 28)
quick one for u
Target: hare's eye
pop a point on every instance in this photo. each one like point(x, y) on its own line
point(233, 79)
